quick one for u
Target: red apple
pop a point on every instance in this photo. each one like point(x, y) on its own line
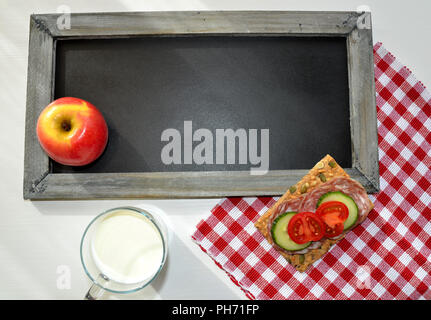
point(72, 131)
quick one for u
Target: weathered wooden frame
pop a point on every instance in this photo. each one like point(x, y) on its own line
point(39, 183)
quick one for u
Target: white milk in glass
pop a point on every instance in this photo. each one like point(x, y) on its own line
point(127, 247)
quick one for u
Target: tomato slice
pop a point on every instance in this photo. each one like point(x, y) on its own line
point(316, 226)
point(305, 227)
point(335, 230)
point(333, 214)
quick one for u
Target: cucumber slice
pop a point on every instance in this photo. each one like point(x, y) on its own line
point(348, 201)
point(280, 235)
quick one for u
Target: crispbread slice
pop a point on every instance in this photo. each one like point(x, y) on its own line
point(324, 170)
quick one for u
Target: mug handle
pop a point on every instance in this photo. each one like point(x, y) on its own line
point(96, 289)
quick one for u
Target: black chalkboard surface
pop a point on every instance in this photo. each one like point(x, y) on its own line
point(297, 87)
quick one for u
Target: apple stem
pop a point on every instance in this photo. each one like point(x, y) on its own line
point(66, 125)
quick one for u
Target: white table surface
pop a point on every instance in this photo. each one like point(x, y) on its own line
point(39, 241)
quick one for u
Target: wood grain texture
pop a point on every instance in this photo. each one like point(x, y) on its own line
point(170, 185)
point(201, 22)
point(40, 81)
point(39, 183)
point(363, 112)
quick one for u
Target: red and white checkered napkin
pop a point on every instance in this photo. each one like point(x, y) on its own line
point(388, 256)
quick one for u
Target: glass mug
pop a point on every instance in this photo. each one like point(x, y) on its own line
point(123, 250)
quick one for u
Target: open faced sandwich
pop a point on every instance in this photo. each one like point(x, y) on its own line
point(315, 214)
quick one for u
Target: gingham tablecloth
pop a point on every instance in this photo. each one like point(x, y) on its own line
point(388, 256)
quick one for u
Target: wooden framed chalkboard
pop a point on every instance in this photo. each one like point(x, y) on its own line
point(286, 87)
